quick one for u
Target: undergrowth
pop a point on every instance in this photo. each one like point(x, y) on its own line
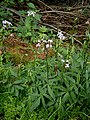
point(55, 88)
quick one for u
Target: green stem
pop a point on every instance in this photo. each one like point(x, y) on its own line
point(47, 69)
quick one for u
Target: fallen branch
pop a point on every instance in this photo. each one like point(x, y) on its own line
point(61, 12)
point(68, 9)
point(45, 5)
point(56, 29)
point(77, 8)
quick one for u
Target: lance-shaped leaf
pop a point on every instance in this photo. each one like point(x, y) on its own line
point(35, 104)
point(50, 91)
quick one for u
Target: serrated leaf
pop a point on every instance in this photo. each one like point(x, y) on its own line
point(16, 92)
point(35, 104)
point(28, 34)
point(50, 91)
point(60, 103)
point(13, 72)
point(34, 94)
point(73, 96)
point(37, 17)
point(78, 78)
point(47, 96)
point(19, 87)
point(12, 89)
point(22, 12)
point(76, 89)
point(43, 29)
point(18, 82)
point(62, 88)
point(65, 97)
point(82, 63)
point(50, 103)
point(66, 82)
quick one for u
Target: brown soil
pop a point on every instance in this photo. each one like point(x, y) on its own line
point(22, 52)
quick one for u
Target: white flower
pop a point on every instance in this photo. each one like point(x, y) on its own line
point(50, 41)
point(6, 23)
point(11, 35)
point(67, 66)
point(38, 45)
point(39, 41)
point(43, 48)
point(48, 46)
point(26, 54)
point(63, 60)
point(31, 13)
point(67, 61)
point(44, 41)
point(87, 22)
point(60, 35)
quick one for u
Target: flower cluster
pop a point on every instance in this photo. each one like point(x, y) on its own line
point(6, 24)
point(31, 13)
point(38, 45)
point(48, 46)
point(67, 63)
point(47, 43)
point(60, 35)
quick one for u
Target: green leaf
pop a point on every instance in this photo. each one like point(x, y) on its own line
point(12, 89)
point(51, 92)
point(28, 34)
point(78, 78)
point(31, 5)
point(60, 103)
point(62, 88)
point(73, 96)
point(65, 97)
point(43, 29)
point(37, 17)
point(22, 12)
point(18, 82)
point(21, 0)
point(66, 82)
point(20, 28)
point(86, 75)
point(13, 72)
point(35, 104)
point(43, 101)
point(19, 87)
point(16, 92)
point(82, 63)
point(47, 96)
point(87, 85)
point(76, 89)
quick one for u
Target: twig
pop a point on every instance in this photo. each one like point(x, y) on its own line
point(56, 29)
point(68, 9)
point(45, 5)
point(51, 26)
point(76, 8)
point(73, 37)
point(61, 12)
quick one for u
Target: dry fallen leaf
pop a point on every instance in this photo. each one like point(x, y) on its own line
point(0, 52)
